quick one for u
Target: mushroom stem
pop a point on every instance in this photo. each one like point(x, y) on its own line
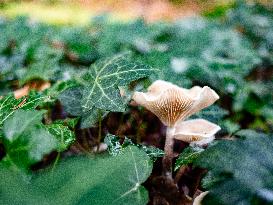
point(168, 149)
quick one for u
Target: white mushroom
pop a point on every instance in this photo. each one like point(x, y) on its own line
point(198, 131)
point(171, 103)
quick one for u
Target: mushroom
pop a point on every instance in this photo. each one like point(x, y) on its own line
point(198, 131)
point(172, 104)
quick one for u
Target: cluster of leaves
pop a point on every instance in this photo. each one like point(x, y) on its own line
point(38, 54)
point(184, 51)
point(254, 20)
point(25, 138)
point(240, 171)
point(99, 91)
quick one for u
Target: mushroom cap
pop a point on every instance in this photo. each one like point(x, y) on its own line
point(171, 103)
point(199, 198)
point(198, 131)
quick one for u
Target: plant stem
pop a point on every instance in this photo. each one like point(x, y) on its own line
point(99, 134)
point(56, 161)
point(180, 173)
point(168, 149)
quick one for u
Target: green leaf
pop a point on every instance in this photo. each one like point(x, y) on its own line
point(81, 180)
point(244, 133)
point(57, 88)
point(33, 100)
point(188, 155)
point(69, 122)
point(100, 91)
point(45, 64)
point(230, 126)
point(80, 45)
point(104, 78)
point(151, 151)
point(90, 118)
point(241, 170)
point(267, 112)
point(213, 114)
point(7, 108)
point(114, 147)
point(201, 47)
point(43, 70)
point(25, 139)
point(8, 104)
point(71, 99)
point(64, 136)
point(212, 178)
point(16, 124)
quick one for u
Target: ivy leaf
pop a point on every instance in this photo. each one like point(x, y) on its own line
point(55, 90)
point(69, 122)
point(213, 114)
point(244, 133)
point(71, 100)
point(212, 178)
point(33, 100)
point(64, 136)
point(246, 166)
point(45, 64)
point(7, 108)
point(188, 156)
point(230, 126)
point(152, 152)
point(79, 45)
point(42, 70)
point(115, 147)
point(104, 78)
point(81, 180)
point(25, 139)
point(8, 104)
point(90, 118)
point(100, 92)
point(14, 126)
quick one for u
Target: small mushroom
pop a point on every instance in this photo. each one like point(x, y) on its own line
point(197, 131)
point(171, 103)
